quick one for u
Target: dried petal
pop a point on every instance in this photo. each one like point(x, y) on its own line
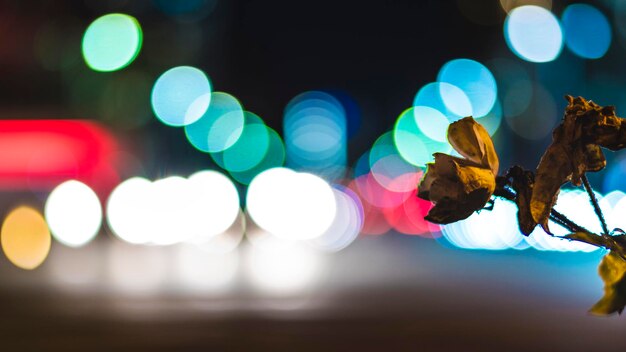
point(457, 186)
point(450, 210)
point(472, 140)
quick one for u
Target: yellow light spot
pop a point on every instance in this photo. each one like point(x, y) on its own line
point(25, 238)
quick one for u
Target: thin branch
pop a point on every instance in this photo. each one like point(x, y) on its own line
point(560, 218)
point(562, 223)
point(596, 206)
point(574, 226)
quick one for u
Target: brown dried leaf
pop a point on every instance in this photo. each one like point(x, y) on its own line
point(523, 182)
point(552, 172)
point(575, 150)
point(612, 270)
point(587, 237)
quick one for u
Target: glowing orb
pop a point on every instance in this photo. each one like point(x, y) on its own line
point(533, 33)
point(73, 213)
point(112, 42)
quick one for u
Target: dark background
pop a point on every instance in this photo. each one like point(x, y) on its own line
point(377, 53)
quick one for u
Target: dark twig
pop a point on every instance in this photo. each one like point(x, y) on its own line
point(596, 206)
point(562, 223)
point(556, 216)
point(574, 227)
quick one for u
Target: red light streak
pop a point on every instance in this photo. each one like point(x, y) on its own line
point(40, 154)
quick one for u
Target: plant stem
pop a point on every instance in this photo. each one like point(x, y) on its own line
point(572, 226)
point(596, 206)
point(556, 216)
point(562, 220)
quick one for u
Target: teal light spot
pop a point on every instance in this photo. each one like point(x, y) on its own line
point(383, 147)
point(275, 157)
point(220, 126)
point(448, 99)
point(181, 96)
point(112, 42)
point(475, 80)
point(412, 144)
point(249, 150)
point(432, 123)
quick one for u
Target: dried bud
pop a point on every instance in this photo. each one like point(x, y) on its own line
point(458, 186)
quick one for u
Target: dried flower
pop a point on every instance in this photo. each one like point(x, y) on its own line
point(575, 149)
point(460, 186)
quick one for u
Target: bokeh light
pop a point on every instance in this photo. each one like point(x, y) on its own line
point(346, 225)
point(573, 203)
point(412, 144)
point(616, 218)
point(249, 150)
point(587, 31)
point(291, 205)
point(447, 98)
point(219, 127)
point(112, 42)
point(493, 119)
point(408, 217)
point(224, 242)
point(614, 175)
point(386, 165)
point(74, 213)
point(533, 33)
point(494, 230)
point(395, 174)
point(475, 80)
point(136, 270)
point(173, 209)
point(372, 190)
point(497, 229)
point(126, 213)
point(72, 269)
point(315, 127)
point(515, 87)
point(206, 273)
point(181, 96)
point(216, 202)
point(274, 157)
point(282, 270)
point(432, 123)
point(608, 205)
point(374, 222)
point(25, 238)
point(539, 118)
